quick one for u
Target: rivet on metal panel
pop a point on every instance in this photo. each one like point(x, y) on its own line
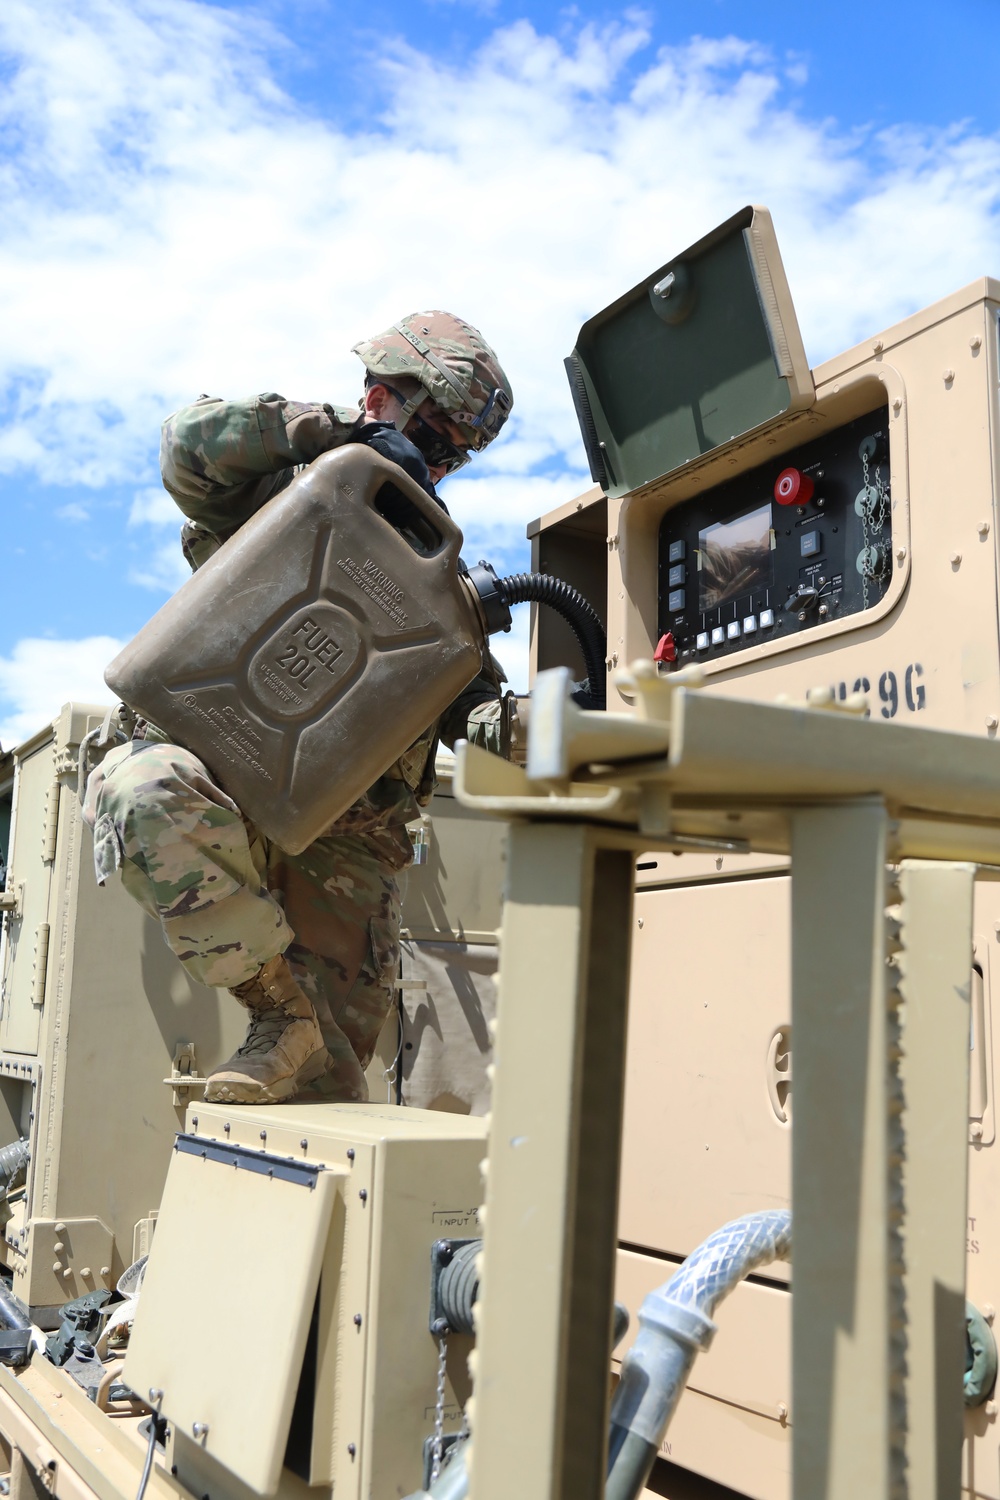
point(60, 1228)
point(350, 1154)
point(67, 1270)
point(975, 342)
point(304, 1144)
point(263, 1135)
point(878, 346)
point(947, 376)
point(989, 1311)
point(194, 1122)
point(59, 1247)
point(976, 1130)
point(86, 1271)
point(782, 1413)
point(363, 1195)
point(992, 721)
point(227, 1127)
point(199, 1431)
point(641, 921)
point(357, 1320)
point(105, 1270)
point(991, 1408)
point(57, 1268)
point(900, 554)
point(351, 1448)
point(955, 559)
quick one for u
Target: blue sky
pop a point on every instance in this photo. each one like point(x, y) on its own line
point(226, 197)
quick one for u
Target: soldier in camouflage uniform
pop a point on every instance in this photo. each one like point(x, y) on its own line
point(308, 943)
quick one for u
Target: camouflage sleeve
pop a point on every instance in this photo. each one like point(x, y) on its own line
point(222, 460)
point(477, 713)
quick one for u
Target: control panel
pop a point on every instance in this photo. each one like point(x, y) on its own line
point(800, 540)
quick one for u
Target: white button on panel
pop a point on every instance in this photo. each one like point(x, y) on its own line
point(701, 641)
point(766, 619)
point(733, 630)
point(718, 636)
point(750, 625)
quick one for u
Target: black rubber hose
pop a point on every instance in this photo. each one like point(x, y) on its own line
point(579, 614)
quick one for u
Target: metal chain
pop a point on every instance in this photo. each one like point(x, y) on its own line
point(438, 1444)
point(864, 530)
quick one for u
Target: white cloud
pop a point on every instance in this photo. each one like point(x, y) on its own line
point(74, 511)
point(173, 223)
point(40, 676)
point(163, 569)
point(494, 509)
point(154, 507)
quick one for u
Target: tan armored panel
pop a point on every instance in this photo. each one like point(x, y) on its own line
point(97, 1015)
point(914, 625)
point(278, 1219)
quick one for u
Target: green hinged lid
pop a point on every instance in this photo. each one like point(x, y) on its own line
point(704, 350)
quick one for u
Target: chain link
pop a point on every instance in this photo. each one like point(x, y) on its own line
point(438, 1443)
point(864, 531)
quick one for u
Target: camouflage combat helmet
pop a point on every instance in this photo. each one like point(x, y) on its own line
point(455, 366)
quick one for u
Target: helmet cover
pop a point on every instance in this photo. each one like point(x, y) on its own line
point(453, 363)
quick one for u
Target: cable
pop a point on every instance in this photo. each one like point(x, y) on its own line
point(155, 1424)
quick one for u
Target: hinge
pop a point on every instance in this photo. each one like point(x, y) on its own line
point(40, 964)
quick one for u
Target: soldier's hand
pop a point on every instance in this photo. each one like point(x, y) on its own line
point(391, 443)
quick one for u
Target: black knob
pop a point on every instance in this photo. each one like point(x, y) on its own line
point(804, 598)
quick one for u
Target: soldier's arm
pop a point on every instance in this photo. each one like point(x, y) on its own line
point(485, 715)
point(222, 460)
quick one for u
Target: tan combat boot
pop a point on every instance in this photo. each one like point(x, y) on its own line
point(283, 1049)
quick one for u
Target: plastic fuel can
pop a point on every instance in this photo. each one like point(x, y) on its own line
point(320, 641)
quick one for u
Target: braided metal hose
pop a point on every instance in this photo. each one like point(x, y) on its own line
point(675, 1322)
point(13, 1165)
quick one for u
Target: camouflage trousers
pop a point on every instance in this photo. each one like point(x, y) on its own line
point(227, 902)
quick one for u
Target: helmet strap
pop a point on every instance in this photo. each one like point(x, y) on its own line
point(409, 407)
point(439, 365)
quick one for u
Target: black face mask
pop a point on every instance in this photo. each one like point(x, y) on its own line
point(437, 450)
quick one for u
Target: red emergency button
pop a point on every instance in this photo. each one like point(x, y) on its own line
point(792, 487)
point(666, 648)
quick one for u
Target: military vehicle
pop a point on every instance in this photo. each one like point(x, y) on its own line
point(788, 816)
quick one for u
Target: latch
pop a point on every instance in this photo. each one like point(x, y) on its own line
point(184, 1075)
point(11, 901)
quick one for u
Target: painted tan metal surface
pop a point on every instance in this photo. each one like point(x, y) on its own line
point(393, 1182)
point(852, 1223)
point(930, 655)
point(221, 1232)
point(552, 1171)
point(79, 1451)
point(83, 1054)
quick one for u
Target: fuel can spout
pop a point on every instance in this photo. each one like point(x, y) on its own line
point(496, 595)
